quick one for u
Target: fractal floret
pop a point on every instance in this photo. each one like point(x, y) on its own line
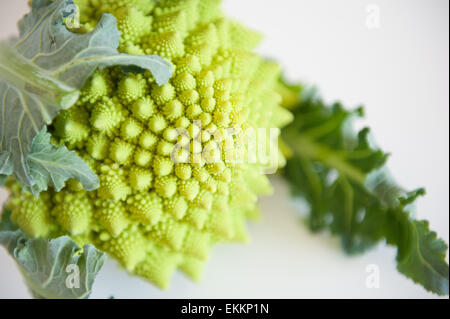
point(161, 207)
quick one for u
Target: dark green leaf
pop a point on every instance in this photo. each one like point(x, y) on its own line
point(5, 221)
point(343, 178)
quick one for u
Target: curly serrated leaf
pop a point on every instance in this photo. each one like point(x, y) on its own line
point(41, 73)
point(343, 178)
point(424, 261)
point(53, 269)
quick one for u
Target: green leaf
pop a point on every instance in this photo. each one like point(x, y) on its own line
point(56, 268)
point(71, 57)
point(349, 191)
point(42, 72)
point(51, 165)
point(424, 262)
point(3, 179)
point(5, 221)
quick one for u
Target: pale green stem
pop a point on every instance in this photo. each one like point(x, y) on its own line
point(309, 149)
point(18, 71)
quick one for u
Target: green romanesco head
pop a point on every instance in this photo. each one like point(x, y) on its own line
point(157, 208)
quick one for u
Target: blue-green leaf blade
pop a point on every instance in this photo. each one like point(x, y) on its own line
point(47, 264)
point(51, 165)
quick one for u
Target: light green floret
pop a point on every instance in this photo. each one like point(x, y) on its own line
point(152, 212)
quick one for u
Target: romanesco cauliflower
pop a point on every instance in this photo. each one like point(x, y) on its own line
point(155, 212)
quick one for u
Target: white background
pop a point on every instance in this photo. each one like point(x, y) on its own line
point(400, 72)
